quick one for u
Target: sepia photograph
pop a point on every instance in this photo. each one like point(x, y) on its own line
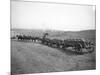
point(52, 37)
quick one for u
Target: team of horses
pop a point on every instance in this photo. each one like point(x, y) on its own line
point(24, 37)
point(77, 45)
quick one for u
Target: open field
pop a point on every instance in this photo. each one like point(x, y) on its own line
point(30, 57)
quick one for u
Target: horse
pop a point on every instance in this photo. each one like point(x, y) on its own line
point(72, 43)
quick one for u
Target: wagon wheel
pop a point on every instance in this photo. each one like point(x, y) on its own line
point(90, 50)
point(78, 50)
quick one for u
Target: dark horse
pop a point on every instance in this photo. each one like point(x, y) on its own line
point(72, 43)
point(23, 37)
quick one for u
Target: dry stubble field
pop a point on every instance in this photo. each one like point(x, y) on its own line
point(29, 57)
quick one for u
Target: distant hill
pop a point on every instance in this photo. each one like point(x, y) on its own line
point(86, 34)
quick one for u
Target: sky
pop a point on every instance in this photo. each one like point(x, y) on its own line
point(39, 15)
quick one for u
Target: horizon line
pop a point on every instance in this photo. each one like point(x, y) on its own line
point(51, 29)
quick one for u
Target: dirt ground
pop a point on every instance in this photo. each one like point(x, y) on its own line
point(29, 57)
